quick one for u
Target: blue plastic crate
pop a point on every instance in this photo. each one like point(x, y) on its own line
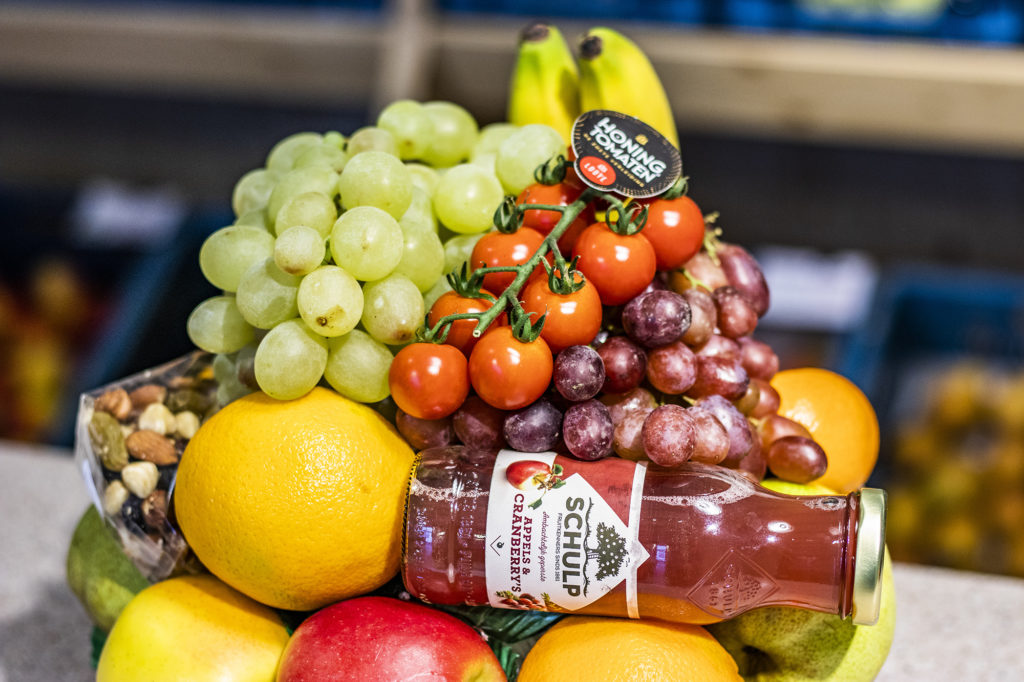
point(923, 317)
point(682, 11)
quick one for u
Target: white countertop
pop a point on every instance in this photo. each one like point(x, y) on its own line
point(950, 625)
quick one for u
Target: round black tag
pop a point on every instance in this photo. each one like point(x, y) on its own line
point(621, 154)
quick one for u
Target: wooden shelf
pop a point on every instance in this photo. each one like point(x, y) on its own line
point(893, 93)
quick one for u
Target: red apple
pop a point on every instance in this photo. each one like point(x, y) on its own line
point(379, 639)
point(521, 474)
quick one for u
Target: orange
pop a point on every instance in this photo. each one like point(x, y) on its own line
point(839, 417)
point(295, 503)
point(193, 628)
point(620, 650)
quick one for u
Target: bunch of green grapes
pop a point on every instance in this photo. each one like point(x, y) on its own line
point(340, 245)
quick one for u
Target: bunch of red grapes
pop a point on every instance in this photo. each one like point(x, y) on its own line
point(650, 357)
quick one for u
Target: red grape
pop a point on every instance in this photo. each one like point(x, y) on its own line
point(703, 317)
point(736, 314)
point(768, 400)
point(424, 433)
point(656, 318)
point(796, 459)
point(720, 346)
point(758, 358)
point(719, 376)
point(578, 373)
point(626, 439)
point(741, 435)
point(753, 465)
point(672, 369)
point(749, 400)
point(624, 364)
point(534, 428)
point(621, 404)
point(478, 425)
point(704, 269)
point(743, 272)
point(587, 430)
point(775, 426)
point(712, 438)
point(669, 435)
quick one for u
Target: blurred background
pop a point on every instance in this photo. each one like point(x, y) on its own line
point(870, 153)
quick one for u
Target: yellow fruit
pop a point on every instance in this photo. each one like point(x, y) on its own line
point(296, 503)
point(619, 650)
point(839, 417)
point(193, 628)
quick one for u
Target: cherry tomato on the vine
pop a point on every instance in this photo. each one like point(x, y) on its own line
point(561, 194)
point(497, 249)
point(619, 266)
point(572, 319)
point(460, 333)
point(675, 228)
point(429, 380)
point(508, 373)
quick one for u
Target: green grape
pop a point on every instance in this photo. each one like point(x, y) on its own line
point(290, 360)
point(255, 218)
point(371, 139)
point(458, 250)
point(376, 179)
point(230, 251)
point(521, 153)
point(392, 310)
point(357, 367)
point(423, 177)
point(299, 250)
point(223, 366)
point(216, 326)
point(367, 242)
point(491, 137)
point(440, 288)
point(244, 360)
point(420, 214)
point(252, 190)
point(266, 296)
point(455, 132)
point(283, 154)
point(335, 139)
point(410, 125)
point(422, 258)
point(466, 198)
point(312, 209)
point(330, 301)
point(486, 161)
point(299, 181)
point(323, 154)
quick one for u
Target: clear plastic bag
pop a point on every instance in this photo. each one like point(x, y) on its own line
point(119, 467)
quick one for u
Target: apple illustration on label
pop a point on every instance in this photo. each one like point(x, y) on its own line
point(380, 639)
point(527, 474)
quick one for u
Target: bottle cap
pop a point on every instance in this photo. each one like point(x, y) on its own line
point(867, 565)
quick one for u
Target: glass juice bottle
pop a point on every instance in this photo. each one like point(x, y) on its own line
point(697, 544)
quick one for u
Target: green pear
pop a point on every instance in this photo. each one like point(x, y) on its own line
point(99, 573)
point(783, 644)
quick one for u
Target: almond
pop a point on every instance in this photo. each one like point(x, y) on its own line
point(114, 402)
point(150, 446)
point(147, 395)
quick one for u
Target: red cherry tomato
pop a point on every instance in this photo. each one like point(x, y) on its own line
point(508, 373)
point(572, 319)
point(619, 266)
point(460, 333)
point(429, 380)
point(675, 228)
point(561, 194)
point(497, 249)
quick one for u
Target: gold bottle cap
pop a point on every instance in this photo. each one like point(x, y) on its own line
point(867, 565)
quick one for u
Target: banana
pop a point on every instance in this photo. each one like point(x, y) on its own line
point(545, 82)
point(615, 74)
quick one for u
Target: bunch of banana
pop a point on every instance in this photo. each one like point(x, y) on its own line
point(613, 73)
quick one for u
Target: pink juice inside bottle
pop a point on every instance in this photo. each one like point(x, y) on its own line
point(696, 544)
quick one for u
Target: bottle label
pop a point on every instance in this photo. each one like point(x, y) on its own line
point(622, 154)
point(562, 533)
